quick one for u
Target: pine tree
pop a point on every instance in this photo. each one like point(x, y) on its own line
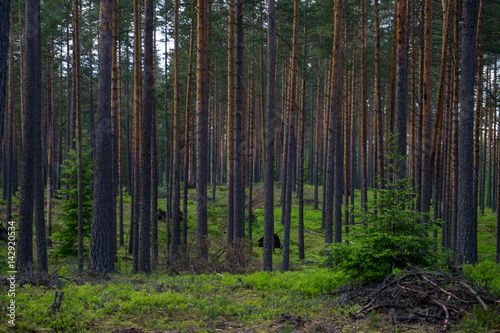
point(102, 214)
point(69, 235)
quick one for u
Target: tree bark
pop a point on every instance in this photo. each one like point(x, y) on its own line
point(239, 188)
point(102, 207)
point(230, 123)
point(401, 87)
point(186, 139)
point(425, 196)
point(4, 48)
point(335, 171)
point(269, 140)
point(147, 110)
point(466, 236)
point(176, 234)
point(202, 78)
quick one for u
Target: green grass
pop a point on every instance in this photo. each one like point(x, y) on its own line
point(219, 301)
point(197, 302)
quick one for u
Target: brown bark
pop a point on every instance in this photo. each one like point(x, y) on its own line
point(187, 124)
point(364, 106)
point(202, 80)
point(336, 144)
point(230, 123)
point(99, 256)
point(176, 234)
point(426, 111)
point(291, 139)
point(269, 141)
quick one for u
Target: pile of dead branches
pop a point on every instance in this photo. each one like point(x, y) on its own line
point(425, 297)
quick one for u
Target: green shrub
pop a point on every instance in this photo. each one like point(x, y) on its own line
point(67, 237)
point(392, 236)
point(486, 273)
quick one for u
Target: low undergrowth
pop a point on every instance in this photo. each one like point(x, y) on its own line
point(310, 300)
point(191, 302)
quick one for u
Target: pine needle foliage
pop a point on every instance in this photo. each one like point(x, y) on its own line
point(67, 237)
point(390, 235)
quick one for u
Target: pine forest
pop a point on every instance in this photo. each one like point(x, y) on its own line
point(249, 166)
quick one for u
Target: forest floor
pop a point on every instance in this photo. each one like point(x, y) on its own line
point(189, 296)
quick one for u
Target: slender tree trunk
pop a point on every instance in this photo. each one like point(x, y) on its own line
point(379, 146)
point(239, 189)
point(120, 144)
point(230, 123)
point(401, 87)
point(300, 185)
point(202, 78)
point(4, 48)
point(137, 98)
point(91, 92)
point(317, 135)
point(77, 122)
point(99, 256)
point(426, 178)
point(269, 140)
point(31, 145)
point(186, 139)
point(9, 185)
point(467, 238)
point(250, 149)
point(147, 111)
point(364, 106)
point(114, 128)
point(291, 138)
point(176, 235)
point(335, 172)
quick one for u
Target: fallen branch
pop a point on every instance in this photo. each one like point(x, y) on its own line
point(485, 307)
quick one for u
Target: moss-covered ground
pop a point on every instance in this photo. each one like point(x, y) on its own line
point(301, 300)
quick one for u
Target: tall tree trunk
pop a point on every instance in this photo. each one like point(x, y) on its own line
point(202, 81)
point(9, 185)
point(230, 123)
point(137, 100)
point(4, 48)
point(114, 127)
point(78, 126)
point(239, 189)
point(379, 146)
point(186, 140)
point(31, 145)
point(120, 144)
point(251, 147)
point(147, 111)
point(91, 90)
point(176, 140)
point(269, 140)
point(401, 87)
point(154, 169)
point(300, 185)
point(291, 138)
point(335, 172)
point(466, 239)
point(425, 196)
point(167, 160)
point(364, 106)
point(102, 213)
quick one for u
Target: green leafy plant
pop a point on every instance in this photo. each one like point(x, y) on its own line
point(67, 237)
point(487, 273)
point(391, 235)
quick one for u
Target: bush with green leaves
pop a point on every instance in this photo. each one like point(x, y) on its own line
point(67, 237)
point(389, 234)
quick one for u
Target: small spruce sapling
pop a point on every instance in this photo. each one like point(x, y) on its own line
point(391, 237)
point(67, 237)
